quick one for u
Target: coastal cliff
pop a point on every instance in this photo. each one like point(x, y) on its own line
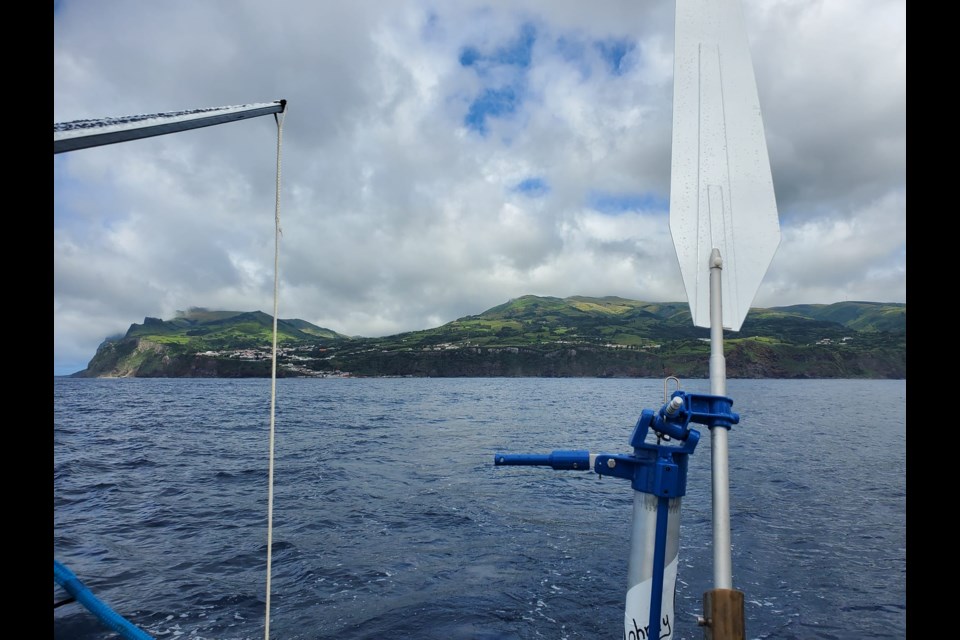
point(527, 336)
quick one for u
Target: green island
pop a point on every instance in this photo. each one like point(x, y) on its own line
point(527, 336)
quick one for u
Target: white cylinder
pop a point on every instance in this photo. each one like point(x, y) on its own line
point(643, 538)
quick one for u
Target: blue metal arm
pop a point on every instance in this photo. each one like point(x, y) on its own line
point(560, 459)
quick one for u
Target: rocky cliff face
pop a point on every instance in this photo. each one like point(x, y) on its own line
point(142, 358)
point(126, 358)
point(139, 357)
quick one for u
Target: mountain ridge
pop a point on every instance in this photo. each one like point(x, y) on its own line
point(525, 336)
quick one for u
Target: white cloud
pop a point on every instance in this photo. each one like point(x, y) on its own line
point(396, 215)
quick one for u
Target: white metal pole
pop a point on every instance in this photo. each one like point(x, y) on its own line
point(722, 564)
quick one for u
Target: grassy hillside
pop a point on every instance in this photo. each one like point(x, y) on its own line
point(862, 316)
point(227, 330)
point(528, 336)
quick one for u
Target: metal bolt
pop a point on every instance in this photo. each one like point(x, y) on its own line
point(674, 406)
point(611, 463)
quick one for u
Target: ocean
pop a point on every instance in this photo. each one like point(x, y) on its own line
point(391, 520)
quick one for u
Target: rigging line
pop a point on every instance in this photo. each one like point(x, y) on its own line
point(273, 372)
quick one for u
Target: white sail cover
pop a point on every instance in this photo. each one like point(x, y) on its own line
point(81, 134)
point(721, 188)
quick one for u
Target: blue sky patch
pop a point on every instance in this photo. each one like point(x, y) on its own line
point(517, 53)
point(613, 52)
point(614, 203)
point(469, 56)
point(520, 51)
point(492, 102)
point(533, 187)
point(505, 99)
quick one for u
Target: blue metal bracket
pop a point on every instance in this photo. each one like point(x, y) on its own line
point(654, 468)
point(701, 408)
point(658, 469)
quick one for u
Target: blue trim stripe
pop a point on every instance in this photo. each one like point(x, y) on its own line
point(71, 583)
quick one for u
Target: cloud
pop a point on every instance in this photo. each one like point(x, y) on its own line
point(441, 158)
point(857, 255)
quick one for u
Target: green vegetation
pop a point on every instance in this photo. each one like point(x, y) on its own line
point(528, 336)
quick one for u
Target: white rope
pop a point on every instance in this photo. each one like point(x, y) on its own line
point(273, 373)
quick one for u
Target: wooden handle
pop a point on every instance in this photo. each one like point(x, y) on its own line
point(723, 615)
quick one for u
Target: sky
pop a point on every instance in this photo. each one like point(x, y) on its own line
point(440, 158)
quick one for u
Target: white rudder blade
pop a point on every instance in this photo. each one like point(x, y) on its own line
point(721, 188)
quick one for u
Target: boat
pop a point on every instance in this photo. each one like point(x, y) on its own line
point(724, 224)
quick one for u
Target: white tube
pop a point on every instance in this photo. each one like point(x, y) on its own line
point(643, 537)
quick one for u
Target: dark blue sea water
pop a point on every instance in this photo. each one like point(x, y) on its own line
point(391, 520)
